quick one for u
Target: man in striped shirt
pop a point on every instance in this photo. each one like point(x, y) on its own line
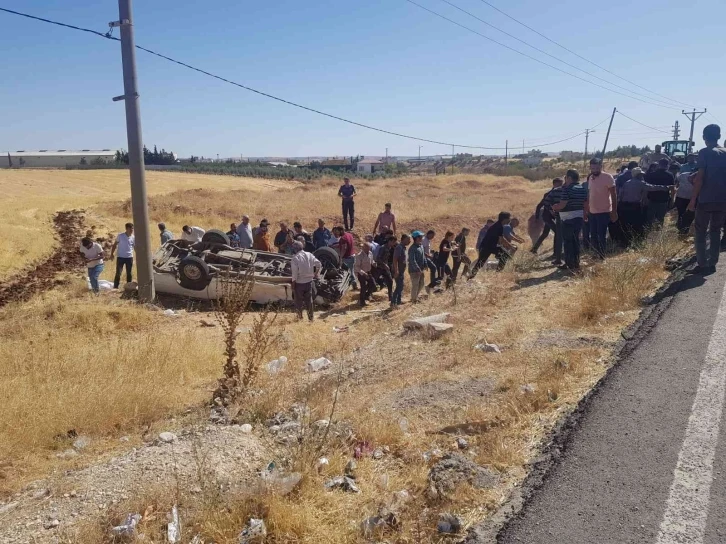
point(571, 209)
point(551, 220)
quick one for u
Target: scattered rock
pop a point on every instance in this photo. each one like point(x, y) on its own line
point(279, 482)
point(290, 426)
point(400, 499)
point(124, 439)
point(421, 323)
point(5, 508)
point(41, 493)
point(378, 454)
point(462, 443)
point(51, 524)
point(321, 424)
point(437, 330)
point(246, 428)
point(487, 348)
point(343, 483)
point(322, 464)
point(81, 442)
point(205, 323)
point(67, 454)
point(219, 415)
point(350, 468)
point(170, 313)
point(527, 389)
point(254, 532)
point(273, 367)
point(167, 437)
point(449, 524)
point(173, 528)
point(403, 424)
point(433, 454)
point(455, 469)
point(315, 365)
point(128, 527)
point(384, 521)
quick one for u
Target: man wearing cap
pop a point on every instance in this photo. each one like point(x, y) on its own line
point(244, 231)
point(386, 221)
point(305, 268)
point(658, 201)
point(416, 265)
point(631, 198)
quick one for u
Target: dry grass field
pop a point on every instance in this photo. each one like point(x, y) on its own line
point(105, 367)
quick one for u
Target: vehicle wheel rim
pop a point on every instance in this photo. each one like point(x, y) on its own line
point(192, 272)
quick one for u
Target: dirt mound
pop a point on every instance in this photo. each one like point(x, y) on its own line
point(22, 286)
point(468, 184)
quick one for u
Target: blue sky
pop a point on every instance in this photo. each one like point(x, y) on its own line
point(385, 63)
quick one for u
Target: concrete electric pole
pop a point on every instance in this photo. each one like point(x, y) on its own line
point(692, 116)
point(587, 140)
point(676, 130)
point(144, 270)
point(607, 136)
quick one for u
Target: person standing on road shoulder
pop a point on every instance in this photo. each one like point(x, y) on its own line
point(571, 208)
point(658, 201)
point(93, 253)
point(709, 200)
point(347, 193)
point(244, 231)
point(400, 260)
point(386, 221)
point(125, 243)
point(416, 265)
point(601, 206)
point(165, 235)
point(305, 269)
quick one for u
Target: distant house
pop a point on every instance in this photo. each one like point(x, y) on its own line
point(61, 158)
point(344, 164)
point(370, 166)
point(532, 160)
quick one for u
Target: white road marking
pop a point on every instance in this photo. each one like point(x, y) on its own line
point(687, 507)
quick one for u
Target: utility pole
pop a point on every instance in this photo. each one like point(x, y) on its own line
point(522, 146)
point(386, 155)
point(144, 270)
point(506, 153)
point(607, 136)
point(419, 153)
point(692, 116)
point(587, 139)
point(676, 130)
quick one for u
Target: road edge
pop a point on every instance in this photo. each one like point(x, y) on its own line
point(557, 441)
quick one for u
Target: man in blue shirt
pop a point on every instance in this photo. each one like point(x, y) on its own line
point(347, 194)
point(321, 235)
point(165, 234)
point(691, 164)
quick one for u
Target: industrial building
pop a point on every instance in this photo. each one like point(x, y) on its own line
point(46, 158)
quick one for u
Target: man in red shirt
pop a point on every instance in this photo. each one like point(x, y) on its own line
point(346, 248)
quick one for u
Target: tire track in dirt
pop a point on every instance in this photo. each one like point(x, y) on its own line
point(42, 276)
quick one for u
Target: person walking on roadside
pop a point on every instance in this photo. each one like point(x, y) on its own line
point(684, 192)
point(93, 253)
point(262, 240)
point(460, 256)
point(192, 234)
point(386, 221)
point(305, 269)
point(244, 231)
point(551, 220)
point(483, 233)
point(494, 243)
point(446, 248)
point(416, 265)
point(709, 200)
point(165, 235)
point(601, 207)
point(658, 201)
point(430, 260)
point(571, 208)
point(363, 270)
point(346, 248)
point(125, 243)
point(321, 235)
point(400, 260)
point(347, 193)
point(631, 197)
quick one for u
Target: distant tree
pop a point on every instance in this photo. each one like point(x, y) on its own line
point(83, 162)
point(98, 161)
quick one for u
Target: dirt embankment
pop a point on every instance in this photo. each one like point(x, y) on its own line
point(42, 276)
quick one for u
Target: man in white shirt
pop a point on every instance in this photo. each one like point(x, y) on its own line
point(305, 268)
point(93, 253)
point(244, 231)
point(125, 243)
point(192, 234)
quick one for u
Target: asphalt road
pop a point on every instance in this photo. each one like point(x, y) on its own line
point(645, 463)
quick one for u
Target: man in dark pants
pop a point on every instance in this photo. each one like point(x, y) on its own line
point(363, 268)
point(494, 243)
point(631, 196)
point(125, 243)
point(460, 254)
point(551, 220)
point(347, 193)
point(305, 268)
point(658, 201)
point(571, 209)
point(383, 262)
point(601, 206)
point(684, 183)
point(709, 200)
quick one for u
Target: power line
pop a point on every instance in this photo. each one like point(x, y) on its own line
point(542, 51)
point(643, 124)
point(534, 58)
point(578, 55)
point(267, 95)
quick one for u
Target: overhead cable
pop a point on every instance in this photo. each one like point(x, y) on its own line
point(643, 124)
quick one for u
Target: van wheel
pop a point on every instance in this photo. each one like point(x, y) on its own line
point(328, 257)
point(214, 236)
point(193, 273)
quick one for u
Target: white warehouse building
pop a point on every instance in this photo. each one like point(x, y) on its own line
point(46, 158)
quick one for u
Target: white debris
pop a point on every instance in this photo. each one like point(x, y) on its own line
point(403, 425)
point(487, 348)
point(81, 442)
point(167, 437)
point(422, 322)
point(315, 365)
point(255, 531)
point(527, 389)
point(128, 527)
point(170, 313)
point(322, 464)
point(173, 528)
point(246, 428)
point(273, 367)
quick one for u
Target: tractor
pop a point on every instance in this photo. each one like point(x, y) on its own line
point(677, 150)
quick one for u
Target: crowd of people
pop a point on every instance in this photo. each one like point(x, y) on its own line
point(581, 215)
